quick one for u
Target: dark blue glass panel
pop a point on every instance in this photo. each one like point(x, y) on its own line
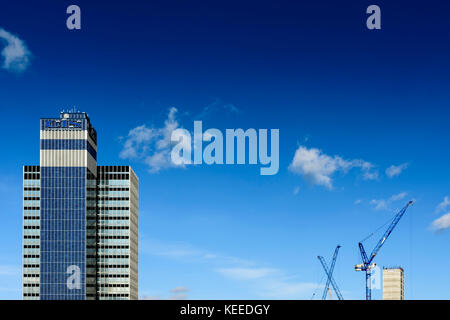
point(63, 233)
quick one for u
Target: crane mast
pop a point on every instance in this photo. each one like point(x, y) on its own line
point(330, 279)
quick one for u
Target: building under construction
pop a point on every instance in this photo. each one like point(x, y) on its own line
point(393, 283)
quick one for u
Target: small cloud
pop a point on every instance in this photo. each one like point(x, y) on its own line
point(218, 106)
point(441, 223)
point(246, 273)
point(358, 201)
point(393, 171)
point(318, 168)
point(152, 145)
point(368, 175)
point(443, 205)
point(178, 293)
point(296, 191)
point(384, 204)
point(398, 196)
point(16, 56)
point(179, 290)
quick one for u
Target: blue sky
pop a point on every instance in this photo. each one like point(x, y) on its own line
point(344, 98)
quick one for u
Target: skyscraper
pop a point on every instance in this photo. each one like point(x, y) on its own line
point(393, 283)
point(80, 220)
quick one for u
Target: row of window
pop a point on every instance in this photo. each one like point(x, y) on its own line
point(109, 169)
point(31, 183)
point(106, 218)
point(114, 183)
point(113, 227)
point(113, 275)
point(31, 168)
point(31, 188)
point(31, 176)
point(112, 203)
point(110, 210)
point(107, 188)
point(32, 193)
point(31, 203)
point(112, 176)
point(113, 295)
point(101, 237)
point(113, 285)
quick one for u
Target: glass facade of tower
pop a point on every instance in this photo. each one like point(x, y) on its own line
point(63, 233)
point(75, 245)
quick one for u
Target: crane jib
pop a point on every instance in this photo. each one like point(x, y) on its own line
point(366, 263)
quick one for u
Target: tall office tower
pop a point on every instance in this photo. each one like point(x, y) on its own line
point(31, 231)
point(117, 233)
point(393, 283)
point(71, 230)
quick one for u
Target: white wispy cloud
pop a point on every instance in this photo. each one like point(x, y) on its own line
point(218, 106)
point(357, 201)
point(384, 204)
point(178, 296)
point(393, 171)
point(296, 191)
point(318, 168)
point(264, 281)
point(443, 205)
point(441, 223)
point(153, 145)
point(178, 293)
point(179, 290)
point(15, 54)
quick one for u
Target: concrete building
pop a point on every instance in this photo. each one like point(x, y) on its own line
point(80, 220)
point(393, 283)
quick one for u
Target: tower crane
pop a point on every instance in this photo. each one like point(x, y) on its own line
point(367, 264)
point(330, 278)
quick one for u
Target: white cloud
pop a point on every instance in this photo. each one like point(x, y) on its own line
point(16, 56)
point(264, 282)
point(137, 142)
point(180, 296)
point(393, 171)
point(318, 168)
point(179, 290)
point(357, 201)
point(443, 205)
point(441, 223)
point(178, 293)
point(152, 145)
point(218, 106)
point(246, 273)
point(296, 191)
point(384, 204)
